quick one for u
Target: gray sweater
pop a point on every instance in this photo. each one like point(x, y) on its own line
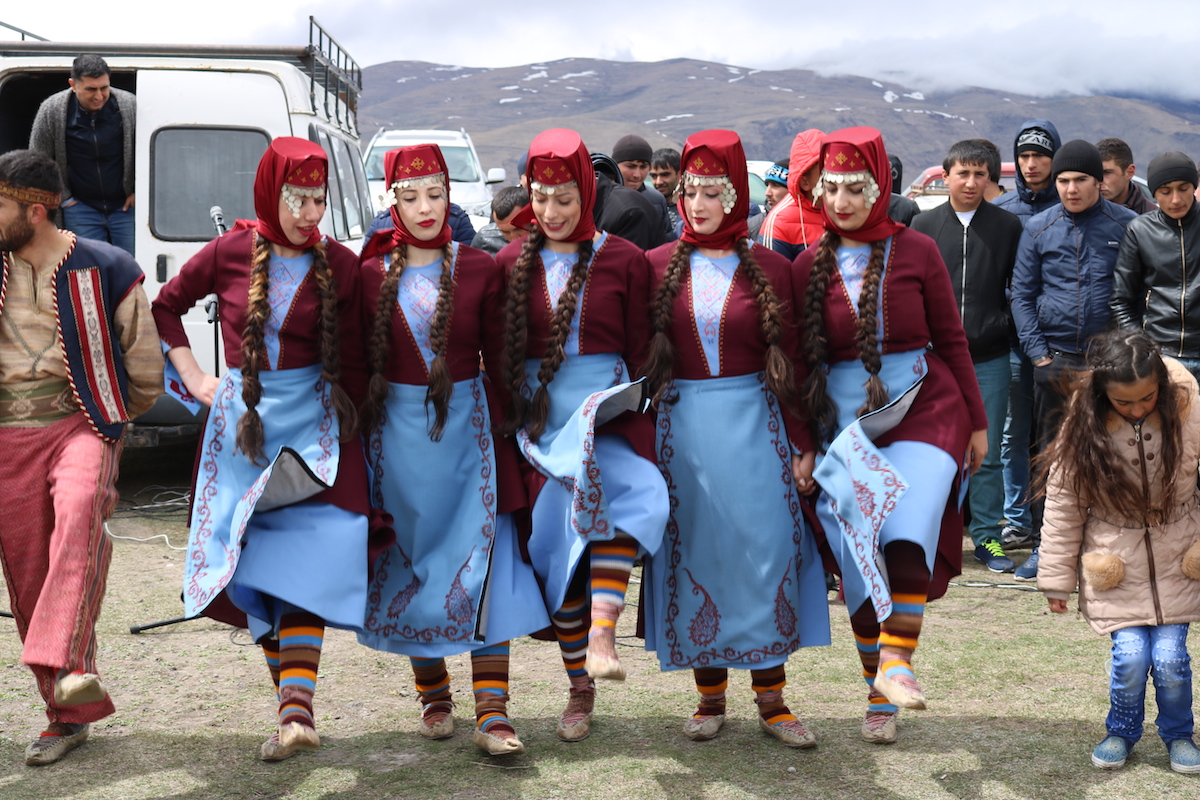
point(49, 134)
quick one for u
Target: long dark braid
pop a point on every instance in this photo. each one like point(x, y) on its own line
point(560, 329)
point(379, 346)
point(814, 394)
point(779, 371)
point(516, 330)
point(866, 334)
point(441, 385)
point(330, 344)
point(660, 359)
point(250, 437)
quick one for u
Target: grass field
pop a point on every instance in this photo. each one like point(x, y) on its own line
point(1017, 701)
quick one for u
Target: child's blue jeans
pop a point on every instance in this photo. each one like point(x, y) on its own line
point(1161, 651)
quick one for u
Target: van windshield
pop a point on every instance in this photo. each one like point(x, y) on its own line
point(459, 159)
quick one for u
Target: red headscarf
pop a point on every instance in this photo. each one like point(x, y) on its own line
point(712, 154)
point(559, 156)
point(292, 161)
point(856, 150)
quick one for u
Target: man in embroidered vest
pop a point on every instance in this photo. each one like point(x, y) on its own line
point(79, 357)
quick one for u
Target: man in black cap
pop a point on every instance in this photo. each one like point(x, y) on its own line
point(1154, 286)
point(632, 154)
point(1033, 150)
point(1061, 286)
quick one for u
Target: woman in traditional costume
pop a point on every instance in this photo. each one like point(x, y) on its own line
point(454, 581)
point(738, 582)
point(893, 395)
point(279, 511)
point(575, 330)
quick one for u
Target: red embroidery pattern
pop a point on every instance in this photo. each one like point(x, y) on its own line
point(202, 526)
point(785, 616)
point(706, 623)
point(459, 605)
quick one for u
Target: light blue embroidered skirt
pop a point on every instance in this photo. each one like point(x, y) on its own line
point(454, 580)
point(738, 581)
point(596, 484)
point(252, 532)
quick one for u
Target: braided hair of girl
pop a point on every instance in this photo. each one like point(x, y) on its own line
point(866, 334)
point(813, 394)
point(660, 358)
point(250, 437)
point(330, 345)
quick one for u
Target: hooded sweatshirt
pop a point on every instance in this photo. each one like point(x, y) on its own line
point(795, 223)
point(1025, 202)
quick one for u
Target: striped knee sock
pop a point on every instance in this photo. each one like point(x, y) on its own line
point(489, 676)
point(571, 624)
point(300, 638)
point(270, 648)
point(900, 631)
point(432, 679)
point(768, 693)
point(711, 683)
point(612, 563)
point(866, 640)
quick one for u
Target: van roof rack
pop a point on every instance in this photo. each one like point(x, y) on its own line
point(332, 72)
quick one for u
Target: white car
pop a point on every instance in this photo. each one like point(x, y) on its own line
point(469, 188)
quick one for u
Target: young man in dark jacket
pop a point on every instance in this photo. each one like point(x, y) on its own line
point(1033, 150)
point(978, 242)
point(1061, 285)
point(1118, 183)
point(1155, 284)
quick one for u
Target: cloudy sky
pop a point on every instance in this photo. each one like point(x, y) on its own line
point(1042, 48)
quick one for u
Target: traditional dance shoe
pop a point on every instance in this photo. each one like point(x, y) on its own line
point(703, 728)
point(272, 750)
point(879, 727)
point(78, 688)
point(1111, 753)
point(58, 739)
point(603, 664)
point(900, 688)
point(576, 721)
point(436, 720)
point(298, 736)
point(792, 733)
point(494, 745)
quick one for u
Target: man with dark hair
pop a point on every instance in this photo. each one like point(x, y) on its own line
point(978, 242)
point(1118, 177)
point(994, 189)
point(1033, 150)
point(664, 174)
point(1061, 286)
point(88, 130)
point(1154, 280)
point(632, 154)
point(79, 357)
point(776, 181)
point(507, 203)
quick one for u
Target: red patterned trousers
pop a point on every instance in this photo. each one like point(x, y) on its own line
point(56, 490)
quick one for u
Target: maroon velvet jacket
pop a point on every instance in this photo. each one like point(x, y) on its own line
point(476, 326)
point(743, 346)
point(918, 307)
point(223, 267)
point(613, 318)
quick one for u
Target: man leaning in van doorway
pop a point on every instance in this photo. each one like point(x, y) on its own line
point(88, 129)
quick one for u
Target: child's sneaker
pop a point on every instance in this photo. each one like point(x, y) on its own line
point(1112, 752)
point(1185, 757)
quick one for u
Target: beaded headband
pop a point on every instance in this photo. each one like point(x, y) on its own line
point(436, 179)
point(28, 195)
point(293, 196)
point(870, 191)
point(551, 188)
point(728, 193)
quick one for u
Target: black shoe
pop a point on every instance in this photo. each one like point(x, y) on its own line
point(1014, 537)
point(991, 556)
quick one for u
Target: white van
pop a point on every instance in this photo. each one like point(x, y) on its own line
point(205, 115)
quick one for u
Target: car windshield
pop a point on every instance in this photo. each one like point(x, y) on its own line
point(458, 159)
